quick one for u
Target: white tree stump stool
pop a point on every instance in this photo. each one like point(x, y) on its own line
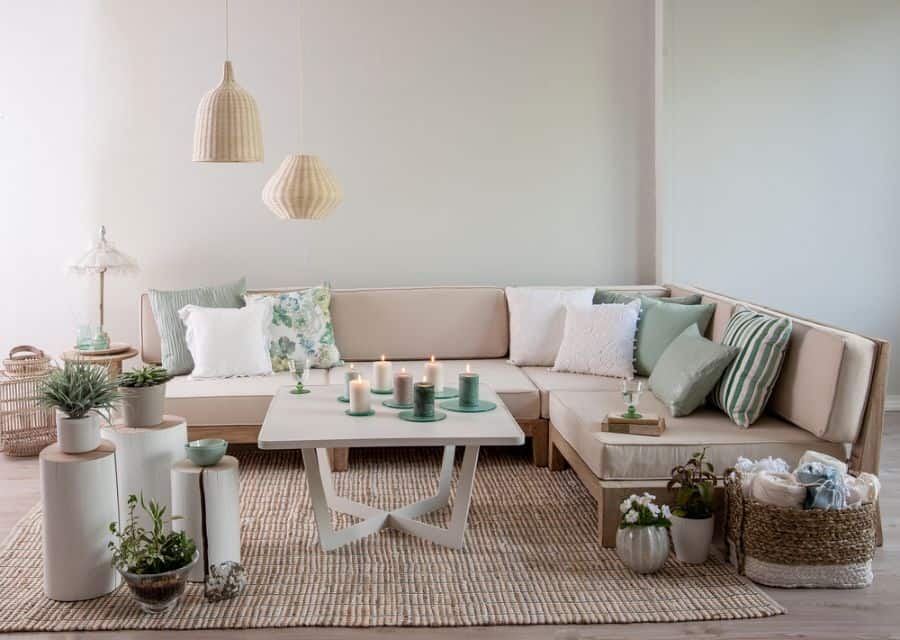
point(78, 500)
point(208, 501)
point(144, 457)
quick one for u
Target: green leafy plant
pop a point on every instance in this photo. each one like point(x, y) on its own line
point(642, 511)
point(143, 551)
point(695, 481)
point(79, 388)
point(144, 377)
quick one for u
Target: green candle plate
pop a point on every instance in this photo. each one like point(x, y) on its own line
point(383, 392)
point(343, 399)
point(448, 392)
point(411, 417)
point(397, 405)
point(300, 392)
point(360, 414)
point(454, 405)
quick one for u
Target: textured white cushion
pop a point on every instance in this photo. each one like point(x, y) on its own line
point(599, 340)
point(536, 321)
point(228, 342)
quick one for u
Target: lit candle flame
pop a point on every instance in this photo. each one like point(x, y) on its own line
point(402, 369)
point(382, 357)
point(351, 366)
point(432, 357)
point(468, 368)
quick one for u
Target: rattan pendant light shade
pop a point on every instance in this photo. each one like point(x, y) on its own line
point(302, 189)
point(227, 127)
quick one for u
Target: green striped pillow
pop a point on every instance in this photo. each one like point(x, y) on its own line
point(748, 381)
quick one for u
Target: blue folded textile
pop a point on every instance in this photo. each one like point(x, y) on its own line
point(825, 488)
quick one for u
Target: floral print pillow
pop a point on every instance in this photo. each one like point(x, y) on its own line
point(301, 328)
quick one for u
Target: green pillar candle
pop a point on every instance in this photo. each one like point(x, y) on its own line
point(423, 400)
point(468, 389)
point(348, 376)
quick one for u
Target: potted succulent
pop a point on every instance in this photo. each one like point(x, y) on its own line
point(154, 564)
point(81, 393)
point(642, 541)
point(692, 517)
point(143, 394)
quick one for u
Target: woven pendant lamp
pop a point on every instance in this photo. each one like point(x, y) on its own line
point(302, 188)
point(227, 127)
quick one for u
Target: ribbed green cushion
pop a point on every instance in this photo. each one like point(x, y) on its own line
point(604, 296)
point(748, 381)
point(166, 304)
point(659, 325)
point(688, 370)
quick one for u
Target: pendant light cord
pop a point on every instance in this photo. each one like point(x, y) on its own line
point(226, 29)
point(300, 71)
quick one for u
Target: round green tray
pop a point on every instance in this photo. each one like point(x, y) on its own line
point(382, 392)
point(482, 406)
point(397, 405)
point(364, 414)
point(448, 392)
point(343, 399)
point(300, 392)
point(408, 416)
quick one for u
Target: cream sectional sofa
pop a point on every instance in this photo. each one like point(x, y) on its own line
point(829, 397)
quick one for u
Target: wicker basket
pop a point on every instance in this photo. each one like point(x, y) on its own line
point(25, 426)
point(783, 547)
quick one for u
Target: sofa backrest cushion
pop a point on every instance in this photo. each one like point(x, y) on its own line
point(826, 375)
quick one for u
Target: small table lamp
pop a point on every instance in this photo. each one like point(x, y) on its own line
point(103, 257)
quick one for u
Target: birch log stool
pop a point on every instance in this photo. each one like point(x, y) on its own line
point(144, 457)
point(78, 500)
point(207, 499)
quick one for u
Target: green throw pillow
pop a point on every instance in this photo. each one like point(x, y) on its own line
point(659, 325)
point(747, 383)
point(301, 328)
point(604, 296)
point(166, 304)
point(688, 370)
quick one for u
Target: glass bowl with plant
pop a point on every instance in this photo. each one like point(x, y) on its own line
point(694, 483)
point(642, 542)
point(81, 393)
point(143, 396)
point(155, 564)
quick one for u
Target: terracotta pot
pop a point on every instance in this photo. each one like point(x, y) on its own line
point(143, 406)
point(77, 435)
point(643, 549)
point(692, 538)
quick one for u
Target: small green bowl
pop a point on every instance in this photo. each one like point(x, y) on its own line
point(206, 452)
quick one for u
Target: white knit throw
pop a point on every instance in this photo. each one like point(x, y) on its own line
point(780, 489)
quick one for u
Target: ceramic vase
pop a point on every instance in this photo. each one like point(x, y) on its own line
point(143, 406)
point(643, 549)
point(691, 538)
point(77, 435)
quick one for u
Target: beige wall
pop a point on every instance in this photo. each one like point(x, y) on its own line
point(780, 177)
point(476, 142)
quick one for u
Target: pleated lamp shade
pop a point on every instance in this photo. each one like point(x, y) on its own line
point(227, 127)
point(302, 189)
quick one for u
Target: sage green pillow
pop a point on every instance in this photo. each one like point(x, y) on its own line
point(166, 304)
point(604, 296)
point(688, 370)
point(662, 322)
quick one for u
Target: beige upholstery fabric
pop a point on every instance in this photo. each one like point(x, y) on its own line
point(721, 316)
point(614, 456)
point(151, 344)
point(825, 382)
point(547, 380)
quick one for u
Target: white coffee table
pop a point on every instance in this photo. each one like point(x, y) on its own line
point(316, 422)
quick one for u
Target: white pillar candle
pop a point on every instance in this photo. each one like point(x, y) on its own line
point(382, 374)
point(434, 373)
point(359, 396)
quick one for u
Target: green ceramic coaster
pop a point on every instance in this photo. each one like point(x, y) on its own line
point(343, 399)
point(409, 416)
point(300, 392)
point(448, 392)
point(383, 392)
point(397, 405)
point(454, 405)
point(360, 414)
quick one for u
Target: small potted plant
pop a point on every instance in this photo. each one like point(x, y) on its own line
point(81, 393)
point(692, 517)
point(154, 564)
point(642, 542)
point(143, 396)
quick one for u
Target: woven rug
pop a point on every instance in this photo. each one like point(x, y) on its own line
point(531, 557)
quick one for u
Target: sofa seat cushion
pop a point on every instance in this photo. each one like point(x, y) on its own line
point(547, 380)
point(514, 388)
point(615, 456)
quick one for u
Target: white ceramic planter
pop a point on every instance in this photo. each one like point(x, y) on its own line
point(78, 435)
point(143, 406)
point(643, 549)
point(692, 538)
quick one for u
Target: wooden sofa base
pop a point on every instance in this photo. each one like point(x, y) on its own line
point(538, 430)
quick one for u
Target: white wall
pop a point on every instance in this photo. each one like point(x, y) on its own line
point(476, 142)
point(781, 179)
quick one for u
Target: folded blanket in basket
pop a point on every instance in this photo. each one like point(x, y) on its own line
point(780, 489)
point(825, 487)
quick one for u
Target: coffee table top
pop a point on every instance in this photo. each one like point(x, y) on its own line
point(317, 420)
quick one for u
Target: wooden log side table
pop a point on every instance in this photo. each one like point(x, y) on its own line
point(208, 500)
point(112, 361)
point(78, 500)
point(144, 457)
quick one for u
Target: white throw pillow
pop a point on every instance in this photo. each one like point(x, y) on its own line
point(599, 340)
point(537, 317)
point(229, 342)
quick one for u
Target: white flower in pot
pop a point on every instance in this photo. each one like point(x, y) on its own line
point(692, 517)
point(143, 394)
point(642, 542)
point(81, 393)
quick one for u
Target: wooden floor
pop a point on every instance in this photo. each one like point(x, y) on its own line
point(866, 613)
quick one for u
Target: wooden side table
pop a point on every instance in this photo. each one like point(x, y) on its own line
point(112, 361)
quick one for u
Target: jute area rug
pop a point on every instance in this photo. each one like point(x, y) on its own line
point(531, 557)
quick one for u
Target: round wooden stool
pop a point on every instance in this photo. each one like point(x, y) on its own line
point(208, 500)
point(78, 499)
